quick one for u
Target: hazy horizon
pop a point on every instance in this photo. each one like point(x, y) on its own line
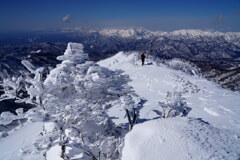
point(31, 15)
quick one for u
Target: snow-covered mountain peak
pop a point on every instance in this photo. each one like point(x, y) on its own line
point(127, 33)
point(184, 33)
point(200, 33)
point(192, 33)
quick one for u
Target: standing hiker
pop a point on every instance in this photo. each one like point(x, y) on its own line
point(143, 58)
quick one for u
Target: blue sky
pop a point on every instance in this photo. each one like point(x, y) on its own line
point(166, 15)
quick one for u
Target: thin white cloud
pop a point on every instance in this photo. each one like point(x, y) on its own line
point(66, 18)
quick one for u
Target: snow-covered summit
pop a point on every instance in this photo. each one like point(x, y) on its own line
point(228, 36)
point(184, 33)
point(193, 33)
point(127, 33)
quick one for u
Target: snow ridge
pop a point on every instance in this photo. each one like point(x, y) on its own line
point(190, 33)
point(210, 129)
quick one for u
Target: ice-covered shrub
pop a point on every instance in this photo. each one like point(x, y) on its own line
point(174, 105)
point(8, 121)
point(130, 103)
point(183, 65)
point(12, 88)
point(72, 102)
point(75, 97)
point(7, 117)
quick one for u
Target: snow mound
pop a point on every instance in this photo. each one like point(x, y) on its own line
point(179, 138)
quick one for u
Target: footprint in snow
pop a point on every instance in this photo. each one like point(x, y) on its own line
point(211, 112)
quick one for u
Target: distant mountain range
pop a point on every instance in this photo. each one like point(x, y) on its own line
point(217, 54)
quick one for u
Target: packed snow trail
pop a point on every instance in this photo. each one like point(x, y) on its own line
point(211, 130)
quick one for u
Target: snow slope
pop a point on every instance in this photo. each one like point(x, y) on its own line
point(211, 130)
point(20, 142)
point(179, 138)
